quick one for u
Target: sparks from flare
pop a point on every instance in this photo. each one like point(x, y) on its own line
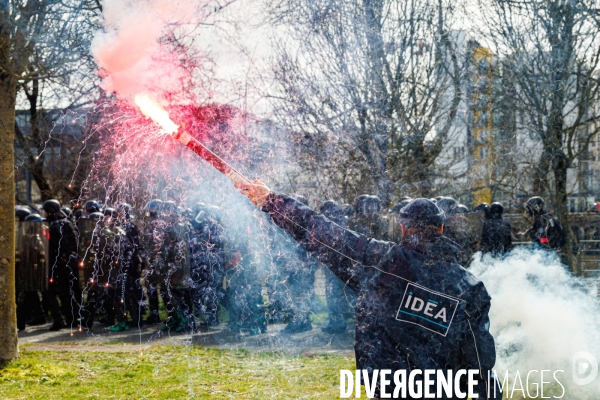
point(151, 109)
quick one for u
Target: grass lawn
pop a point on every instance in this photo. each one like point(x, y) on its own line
point(171, 372)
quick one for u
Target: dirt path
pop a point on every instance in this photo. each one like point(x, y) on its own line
point(101, 339)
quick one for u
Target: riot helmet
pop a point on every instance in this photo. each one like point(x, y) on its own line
point(482, 207)
point(34, 218)
point(51, 206)
point(91, 206)
point(153, 207)
point(358, 204)
point(97, 216)
point(124, 211)
point(448, 205)
point(22, 212)
point(421, 213)
point(109, 212)
point(328, 206)
point(535, 206)
point(462, 209)
point(67, 211)
point(332, 210)
point(169, 209)
point(372, 205)
point(78, 214)
point(400, 204)
point(188, 213)
point(348, 210)
point(496, 210)
point(200, 212)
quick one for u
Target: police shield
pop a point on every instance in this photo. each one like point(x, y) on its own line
point(31, 264)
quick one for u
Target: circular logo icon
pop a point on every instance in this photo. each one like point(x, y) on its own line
point(585, 368)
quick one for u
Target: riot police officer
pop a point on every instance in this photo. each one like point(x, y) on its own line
point(62, 257)
point(100, 261)
point(30, 268)
point(462, 209)
point(546, 231)
point(300, 279)
point(457, 229)
point(22, 212)
point(485, 207)
point(496, 238)
point(153, 228)
point(367, 217)
point(416, 308)
point(129, 291)
point(243, 289)
point(339, 296)
point(206, 263)
point(174, 268)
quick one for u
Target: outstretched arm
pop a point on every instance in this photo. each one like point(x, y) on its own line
point(331, 244)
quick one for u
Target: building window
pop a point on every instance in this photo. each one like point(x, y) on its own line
point(483, 67)
point(484, 153)
point(459, 151)
point(483, 84)
point(483, 119)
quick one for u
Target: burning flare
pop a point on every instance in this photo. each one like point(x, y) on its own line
point(155, 112)
point(151, 109)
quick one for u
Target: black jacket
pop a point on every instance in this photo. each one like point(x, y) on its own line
point(416, 308)
point(547, 231)
point(496, 238)
point(62, 250)
point(129, 251)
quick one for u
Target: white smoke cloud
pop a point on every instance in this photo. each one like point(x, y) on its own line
point(541, 315)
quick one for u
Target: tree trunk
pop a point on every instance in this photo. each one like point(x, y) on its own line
point(562, 212)
point(540, 175)
point(8, 319)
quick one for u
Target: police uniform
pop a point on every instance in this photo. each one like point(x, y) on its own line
point(416, 307)
point(62, 257)
point(547, 232)
point(340, 298)
point(496, 238)
point(207, 269)
point(129, 291)
point(243, 299)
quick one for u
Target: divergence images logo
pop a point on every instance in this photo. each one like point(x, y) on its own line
point(584, 364)
point(431, 310)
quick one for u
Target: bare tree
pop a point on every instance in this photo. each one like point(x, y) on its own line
point(552, 53)
point(369, 90)
point(55, 71)
point(43, 44)
point(8, 320)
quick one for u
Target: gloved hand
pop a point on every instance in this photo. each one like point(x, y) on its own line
point(256, 191)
